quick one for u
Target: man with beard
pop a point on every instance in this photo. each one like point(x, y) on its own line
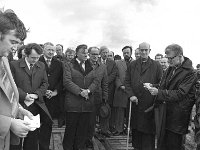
point(120, 97)
point(140, 71)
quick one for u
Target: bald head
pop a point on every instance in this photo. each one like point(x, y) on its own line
point(144, 50)
point(144, 45)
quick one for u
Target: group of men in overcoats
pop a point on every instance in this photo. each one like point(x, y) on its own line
point(162, 109)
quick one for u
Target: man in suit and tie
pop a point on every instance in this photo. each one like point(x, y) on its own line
point(101, 92)
point(31, 79)
point(120, 97)
point(12, 33)
point(112, 73)
point(81, 81)
point(54, 71)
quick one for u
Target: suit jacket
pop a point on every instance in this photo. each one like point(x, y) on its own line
point(7, 110)
point(26, 82)
point(112, 73)
point(120, 96)
point(74, 80)
point(102, 90)
point(54, 74)
point(55, 78)
point(137, 74)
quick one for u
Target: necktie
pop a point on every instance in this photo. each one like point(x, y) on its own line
point(48, 61)
point(31, 68)
point(82, 63)
point(104, 61)
point(6, 84)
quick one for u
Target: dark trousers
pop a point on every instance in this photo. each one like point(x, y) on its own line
point(76, 131)
point(31, 142)
point(45, 131)
point(143, 141)
point(93, 115)
point(172, 141)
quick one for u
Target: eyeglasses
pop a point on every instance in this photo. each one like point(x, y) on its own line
point(171, 58)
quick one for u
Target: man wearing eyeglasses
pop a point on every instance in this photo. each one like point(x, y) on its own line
point(176, 97)
point(143, 70)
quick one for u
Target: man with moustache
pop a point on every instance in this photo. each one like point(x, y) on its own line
point(31, 79)
point(140, 71)
point(54, 72)
point(12, 125)
point(80, 81)
point(101, 92)
point(120, 97)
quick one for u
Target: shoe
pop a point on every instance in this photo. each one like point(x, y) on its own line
point(61, 123)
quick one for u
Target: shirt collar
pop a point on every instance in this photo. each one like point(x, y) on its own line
point(45, 58)
point(27, 63)
point(79, 60)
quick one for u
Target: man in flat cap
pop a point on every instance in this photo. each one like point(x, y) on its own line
point(143, 70)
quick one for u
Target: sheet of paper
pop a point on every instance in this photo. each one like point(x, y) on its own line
point(35, 123)
point(28, 103)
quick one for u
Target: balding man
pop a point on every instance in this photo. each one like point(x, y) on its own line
point(143, 70)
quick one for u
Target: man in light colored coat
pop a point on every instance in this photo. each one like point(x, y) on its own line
point(120, 97)
point(12, 32)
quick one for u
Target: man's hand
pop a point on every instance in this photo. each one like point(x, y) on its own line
point(23, 112)
point(84, 93)
point(50, 94)
point(19, 127)
point(153, 91)
point(34, 96)
point(29, 97)
point(134, 99)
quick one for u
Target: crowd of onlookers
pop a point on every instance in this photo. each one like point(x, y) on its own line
point(90, 91)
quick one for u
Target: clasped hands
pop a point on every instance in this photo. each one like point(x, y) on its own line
point(85, 93)
point(50, 94)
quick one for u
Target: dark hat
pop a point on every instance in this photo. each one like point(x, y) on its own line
point(104, 111)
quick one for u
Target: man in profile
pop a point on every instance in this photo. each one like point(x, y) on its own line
point(176, 94)
point(12, 33)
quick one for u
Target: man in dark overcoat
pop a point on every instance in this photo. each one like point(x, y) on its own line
point(177, 94)
point(140, 71)
point(108, 124)
point(54, 71)
point(80, 81)
point(31, 79)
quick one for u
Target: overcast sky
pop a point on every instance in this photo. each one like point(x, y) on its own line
point(114, 23)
